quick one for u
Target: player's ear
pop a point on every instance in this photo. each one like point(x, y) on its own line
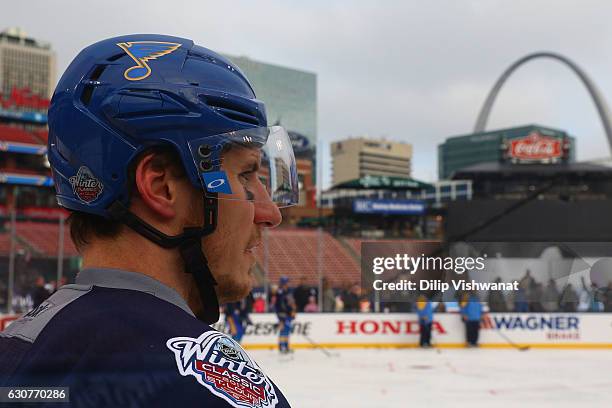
point(157, 187)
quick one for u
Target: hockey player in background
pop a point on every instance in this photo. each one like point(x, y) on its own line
point(237, 318)
point(285, 311)
point(425, 313)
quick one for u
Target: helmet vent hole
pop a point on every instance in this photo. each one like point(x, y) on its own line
point(115, 57)
point(87, 94)
point(232, 110)
point(97, 72)
point(90, 87)
point(114, 176)
point(240, 118)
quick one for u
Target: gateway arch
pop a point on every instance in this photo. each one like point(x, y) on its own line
point(596, 96)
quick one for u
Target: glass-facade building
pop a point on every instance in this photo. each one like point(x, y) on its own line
point(290, 95)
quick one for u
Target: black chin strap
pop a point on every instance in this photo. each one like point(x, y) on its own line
point(190, 248)
point(197, 265)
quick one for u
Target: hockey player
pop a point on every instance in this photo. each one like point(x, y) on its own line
point(163, 155)
point(425, 314)
point(237, 318)
point(285, 311)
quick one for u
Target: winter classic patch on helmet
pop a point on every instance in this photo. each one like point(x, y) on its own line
point(85, 186)
point(224, 368)
point(142, 52)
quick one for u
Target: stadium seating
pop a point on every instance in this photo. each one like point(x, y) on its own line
point(43, 238)
point(355, 245)
point(15, 134)
point(25, 171)
point(294, 253)
point(42, 135)
point(290, 252)
point(5, 244)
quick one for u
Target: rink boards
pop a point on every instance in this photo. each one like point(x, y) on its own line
point(356, 330)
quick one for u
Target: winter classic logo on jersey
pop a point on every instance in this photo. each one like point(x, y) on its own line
point(85, 185)
point(142, 52)
point(222, 366)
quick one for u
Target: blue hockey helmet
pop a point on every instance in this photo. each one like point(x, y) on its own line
point(123, 95)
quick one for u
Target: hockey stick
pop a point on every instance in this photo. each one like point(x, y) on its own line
point(320, 347)
point(513, 344)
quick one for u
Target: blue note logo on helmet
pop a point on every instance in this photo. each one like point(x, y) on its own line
point(142, 52)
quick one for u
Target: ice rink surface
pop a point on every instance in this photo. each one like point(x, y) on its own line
point(442, 377)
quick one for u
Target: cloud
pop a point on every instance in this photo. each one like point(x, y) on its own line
point(411, 71)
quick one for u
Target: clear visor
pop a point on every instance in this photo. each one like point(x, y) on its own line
point(248, 165)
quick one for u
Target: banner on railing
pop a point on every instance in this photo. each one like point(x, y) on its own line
point(344, 330)
point(357, 330)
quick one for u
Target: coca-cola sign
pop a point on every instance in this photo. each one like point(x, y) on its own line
point(535, 147)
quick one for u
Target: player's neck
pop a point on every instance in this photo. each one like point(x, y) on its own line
point(131, 252)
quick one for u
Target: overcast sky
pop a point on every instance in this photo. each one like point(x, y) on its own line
point(410, 71)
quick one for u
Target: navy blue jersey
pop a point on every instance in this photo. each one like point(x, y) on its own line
point(238, 310)
point(284, 302)
point(123, 339)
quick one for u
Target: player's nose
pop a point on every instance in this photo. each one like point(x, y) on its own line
point(267, 213)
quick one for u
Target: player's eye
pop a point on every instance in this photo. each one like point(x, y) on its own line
point(246, 177)
point(264, 182)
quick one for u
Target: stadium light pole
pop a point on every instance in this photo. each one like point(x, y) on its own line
point(60, 251)
point(11, 270)
point(266, 243)
point(319, 174)
point(318, 186)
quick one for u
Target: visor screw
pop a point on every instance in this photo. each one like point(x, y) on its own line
point(205, 166)
point(204, 151)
